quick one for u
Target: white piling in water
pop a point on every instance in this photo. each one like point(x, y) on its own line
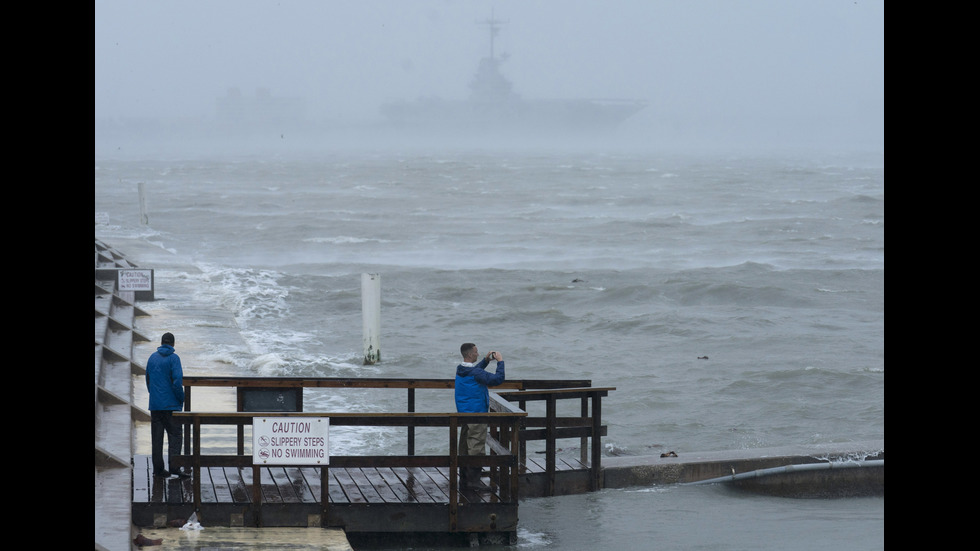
point(371, 317)
point(144, 220)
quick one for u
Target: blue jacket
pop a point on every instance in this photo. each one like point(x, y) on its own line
point(165, 380)
point(472, 381)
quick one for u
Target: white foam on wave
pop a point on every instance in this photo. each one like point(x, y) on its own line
point(219, 355)
point(527, 539)
point(160, 244)
point(651, 490)
point(615, 449)
point(267, 365)
point(343, 240)
point(250, 294)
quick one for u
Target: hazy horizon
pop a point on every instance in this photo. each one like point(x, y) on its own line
point(714, 71)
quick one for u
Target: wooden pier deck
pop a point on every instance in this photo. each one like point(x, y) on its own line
point(371, 495)
point(404, 502)
point(362, 499)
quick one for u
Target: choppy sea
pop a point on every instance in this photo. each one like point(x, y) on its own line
point(733, 300)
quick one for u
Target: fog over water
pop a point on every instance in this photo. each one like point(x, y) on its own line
point(712, 73)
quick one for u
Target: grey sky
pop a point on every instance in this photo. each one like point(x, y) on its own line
point(784, 66)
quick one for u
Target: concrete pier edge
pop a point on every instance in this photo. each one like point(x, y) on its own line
point(627, 471)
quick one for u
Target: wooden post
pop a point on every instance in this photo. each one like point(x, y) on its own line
point(584, 442)
point(453, 474)
point(240, 406)
point(515, 442)
point(257, 493)
point(550, 448)
point(596, 468)
point(325, 496)
point(197, 464)
point(186, 427)
point(411, 428)
point(371, 317)
point(494, 436)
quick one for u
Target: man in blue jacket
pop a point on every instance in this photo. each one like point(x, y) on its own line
point(165, 381)
point(472, 396)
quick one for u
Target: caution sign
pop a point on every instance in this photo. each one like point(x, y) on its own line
point(290, 440)
point(135, 280)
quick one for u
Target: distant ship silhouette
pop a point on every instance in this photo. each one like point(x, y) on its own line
point(493, 107)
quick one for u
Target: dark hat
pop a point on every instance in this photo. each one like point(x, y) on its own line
point(168, 338)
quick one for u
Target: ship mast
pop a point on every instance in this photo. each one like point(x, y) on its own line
point(488, 85)
point(494, 25)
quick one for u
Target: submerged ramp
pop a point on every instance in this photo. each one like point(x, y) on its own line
point(817, 471)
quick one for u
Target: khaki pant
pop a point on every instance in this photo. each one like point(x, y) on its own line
point(472, 441)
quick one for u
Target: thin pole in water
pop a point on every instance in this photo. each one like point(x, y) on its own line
point(144, 220)
point(371, 317)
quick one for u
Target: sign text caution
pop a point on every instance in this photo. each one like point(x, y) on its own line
point(290, 440)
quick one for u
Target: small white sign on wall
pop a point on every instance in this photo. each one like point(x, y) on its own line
point(135, 280)
point(290, 440)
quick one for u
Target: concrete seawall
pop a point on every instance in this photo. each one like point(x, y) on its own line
point(692, 467)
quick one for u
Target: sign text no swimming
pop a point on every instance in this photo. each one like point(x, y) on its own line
point(290, 440)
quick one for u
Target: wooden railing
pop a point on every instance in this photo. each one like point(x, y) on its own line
point(243, 385)
point(502, 460)
point(511, 428)
point(554, 427)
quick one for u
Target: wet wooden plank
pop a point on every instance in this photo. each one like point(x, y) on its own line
point(186, 490)
point(439, 492)
point(420, 485)
point(301, 486)
point(539, 465)
point(465, 496)
point(307, 478)
point(286, 490)
point(334, 492)
point(208, 491)
point(158, 491)
point(270, 494)
point(239, 491)
point(176, 489)
point(286, 485)
point(350, 488)
point(532, 465)
point(399, 488)
point(535, 465)
point(222, 490)
point(270, 490)
point(372, 477)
